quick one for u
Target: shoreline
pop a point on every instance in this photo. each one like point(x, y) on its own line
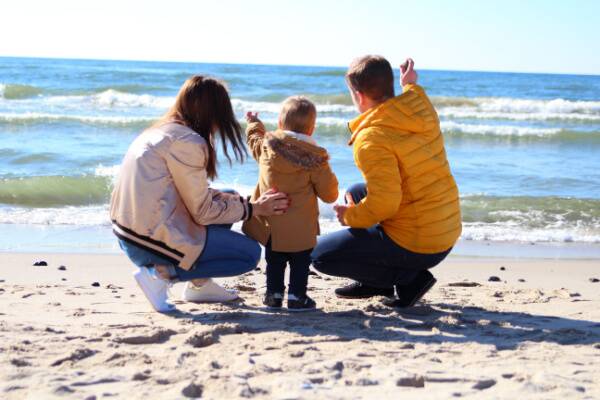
point(94, 239)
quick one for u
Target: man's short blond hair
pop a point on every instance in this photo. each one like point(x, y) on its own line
point(298, 114)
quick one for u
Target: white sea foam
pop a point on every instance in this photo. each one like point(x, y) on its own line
point(519, 109)
point(83, 216)
point(109, 99)
point(558, 106)
point(114, 99)
point(32, 117)
point(509, 232)
point(500, 130)
point(474, 113)
point(506, 231)
point(242, 106)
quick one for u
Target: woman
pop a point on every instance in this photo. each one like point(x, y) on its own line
point(168, 220)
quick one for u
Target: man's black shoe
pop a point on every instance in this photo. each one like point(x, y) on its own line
point(359, 290)
point(409, 294)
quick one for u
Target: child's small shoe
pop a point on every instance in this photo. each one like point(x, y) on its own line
point(301, 303)
point(273, 300)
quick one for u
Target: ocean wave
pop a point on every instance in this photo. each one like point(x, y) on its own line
point(241, 106)
point(511, 233)
point(517, 109)
point(109, 99)
point(515, 105)
point(532, 212)
point(54, 191)
point(460, 113)
point(33, 118)
point(497, 130)
point(496, 232)
point(68, 215)
point(317, 98)
point(60, 200)
point(13, 91)
point(115, 99)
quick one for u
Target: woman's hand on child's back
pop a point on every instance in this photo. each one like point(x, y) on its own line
point(271, 202)
point(407, 73)
point(252, 117)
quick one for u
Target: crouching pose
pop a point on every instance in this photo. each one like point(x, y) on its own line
point(405, 218)
point(168, 220)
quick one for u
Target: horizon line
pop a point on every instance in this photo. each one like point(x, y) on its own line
point(287, 65)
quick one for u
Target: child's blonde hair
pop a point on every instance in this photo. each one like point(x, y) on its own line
point(298, 114)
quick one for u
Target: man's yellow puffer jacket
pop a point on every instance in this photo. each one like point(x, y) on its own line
point(399, 148)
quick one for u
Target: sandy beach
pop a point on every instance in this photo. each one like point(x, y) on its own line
point(80, 328)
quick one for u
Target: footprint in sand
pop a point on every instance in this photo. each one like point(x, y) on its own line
point(244, 288)
point(77, 355)
point(210, 337)
point(156, 337)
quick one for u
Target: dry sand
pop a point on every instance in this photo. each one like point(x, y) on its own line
point(61, 337)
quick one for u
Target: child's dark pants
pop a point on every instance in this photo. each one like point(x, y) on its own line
point(276, 263)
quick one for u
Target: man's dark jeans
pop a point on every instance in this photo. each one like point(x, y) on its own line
point(276, 263)
point(368, 255)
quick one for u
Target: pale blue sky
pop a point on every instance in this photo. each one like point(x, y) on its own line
point(488, 35)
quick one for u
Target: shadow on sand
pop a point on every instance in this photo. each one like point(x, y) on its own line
point(431, 323)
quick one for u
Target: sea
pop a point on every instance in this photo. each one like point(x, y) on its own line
point(524, 148)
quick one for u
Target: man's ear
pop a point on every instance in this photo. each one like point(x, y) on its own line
point(360, 98)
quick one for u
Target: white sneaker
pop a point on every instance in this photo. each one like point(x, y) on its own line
point(209, 292)
point(155, 290)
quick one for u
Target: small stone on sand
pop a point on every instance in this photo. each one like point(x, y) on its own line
point(95, 284)
point(464, 284)
point(40, 264)
point(62, 268)
point(484, 384)
point(594, 280)
point(416, 381)
point(494, 279)
point(140, 376)
point(192, 390)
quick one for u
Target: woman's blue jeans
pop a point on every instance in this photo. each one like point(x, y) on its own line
point(226, 253)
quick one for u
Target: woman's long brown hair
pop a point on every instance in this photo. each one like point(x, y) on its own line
point(203, 105)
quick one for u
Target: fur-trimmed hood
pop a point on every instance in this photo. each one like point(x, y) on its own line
point(293, 164)
point(297, 150)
